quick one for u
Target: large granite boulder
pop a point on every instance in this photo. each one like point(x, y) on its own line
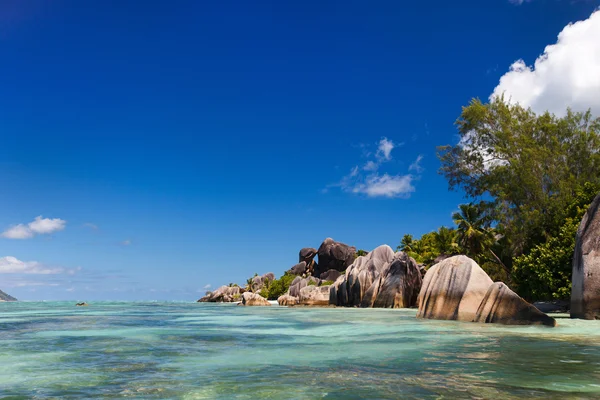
point(334, 255)
point(287, 300)
point(314, 296)
point(253, 299)
point(224, 294)
point(330, 275)
point(585, 290)
point(397, 286)
point(298, 283)
point(349, 289)
point(453, 290)
point(258, 282)
point(458, 289)
point(299, 269)
point(503, 306)
point(307, 255)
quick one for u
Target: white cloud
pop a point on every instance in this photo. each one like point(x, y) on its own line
point(39, 226)
point(386, 186)
point(566, 75)
point(126, 242)
point(12, 265)
point(519, 2)
point(384, 150)
point(18, 232)
point(206, 287)
point(416, 166)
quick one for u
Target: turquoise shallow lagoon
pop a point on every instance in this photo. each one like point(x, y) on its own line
point(211, 351)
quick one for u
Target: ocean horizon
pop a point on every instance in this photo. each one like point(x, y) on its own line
point(222, 351)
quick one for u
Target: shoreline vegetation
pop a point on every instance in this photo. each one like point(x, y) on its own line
point(532, 181)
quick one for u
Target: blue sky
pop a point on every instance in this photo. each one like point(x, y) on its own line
point(150, 150)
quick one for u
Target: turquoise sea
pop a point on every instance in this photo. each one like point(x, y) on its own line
point(211, 351)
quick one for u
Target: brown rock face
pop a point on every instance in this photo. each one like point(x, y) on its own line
point(458, 289)
point(382, 278)
point(585, 292)
point(258, 282)
point(330, 275)
point(503, 306)
point(287, 300)
point(397, 286)
point(453, 290)
point(299, 268)
point(298, 283)
point(307, 255)
point(224, 294)
point(334, 255)
point(314, 296)
point(253, 299)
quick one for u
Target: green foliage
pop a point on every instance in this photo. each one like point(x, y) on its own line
point(360, 253)
point(278, 287)
point(431, 245)
point(311, 283)
point(327, 283)
point(545, 272)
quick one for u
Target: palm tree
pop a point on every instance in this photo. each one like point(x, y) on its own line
point(474, 233)
point(406, 244)
point(445, 241)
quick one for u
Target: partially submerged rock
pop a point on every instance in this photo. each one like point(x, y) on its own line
point(503, 306)
point(585, 290)
point(314, 296)
point(397, 286)
point(253, 299)
point(82, 304)
point(287, 300)
point(334, 255)
point(453, 290)
point(458, 289)
point(6, 297)
point(224, 294)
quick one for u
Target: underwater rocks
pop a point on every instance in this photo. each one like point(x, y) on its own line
point(382, 278)
point(253, 299)
point(585, 292)
point(458, 289)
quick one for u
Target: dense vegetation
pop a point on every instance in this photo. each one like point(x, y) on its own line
point(530, 179)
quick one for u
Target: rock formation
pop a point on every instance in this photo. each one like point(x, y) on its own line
point(258, 282)
point(224, 294)
point(382, 278)
point(503, 306)
point(287, 300)
point(6, 297)
point(314, 296)
point(253, 299)
point(330, 275)
point(453, 289)
point(299, 269)
point(585, 292)
point(307, 255)
point(334, 255)
point(458, 289)
point(298, 283)
point(397, 286)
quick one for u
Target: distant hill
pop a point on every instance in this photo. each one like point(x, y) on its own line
point(6, 297)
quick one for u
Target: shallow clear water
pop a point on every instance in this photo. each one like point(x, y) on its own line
point(209, 351)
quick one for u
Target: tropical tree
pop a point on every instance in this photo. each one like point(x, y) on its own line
point(406, 244)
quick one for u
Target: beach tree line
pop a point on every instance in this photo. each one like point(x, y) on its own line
point(528, 179)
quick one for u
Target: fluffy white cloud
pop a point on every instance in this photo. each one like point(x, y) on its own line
point(12, 265)
point(39, 226)
point(566, 75)
point(385, 186)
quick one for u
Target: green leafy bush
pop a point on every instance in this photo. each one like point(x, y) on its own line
point(278, 287)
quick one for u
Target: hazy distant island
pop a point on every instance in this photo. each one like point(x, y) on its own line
point(537, 230)
point(6, 297)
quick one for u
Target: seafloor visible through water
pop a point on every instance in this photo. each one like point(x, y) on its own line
point(209, 351)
